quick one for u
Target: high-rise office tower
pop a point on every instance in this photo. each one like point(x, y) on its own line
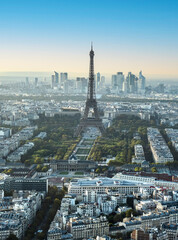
point(78, 85)
point(125, 85)
point(114, 82)
point(131, 83)
point(27, 81)
point(141, 81)
point(56, 78)
point(52, 81)
point(120, 81)
point(63, 77)
point(117, 82)
point(36, 82)
point(84, 85)
point(66, 86)
point(81, 84)
point(98, 79)
point(102, 82)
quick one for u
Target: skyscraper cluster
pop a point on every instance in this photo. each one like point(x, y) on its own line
point(79, 85)
point(128, 84)
point(117, 82)
point(63, 77)
point(56, 82)
point(99, 82)
point(31, 83)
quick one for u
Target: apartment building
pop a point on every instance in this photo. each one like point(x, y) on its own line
point(160, 151)
point(88, 227)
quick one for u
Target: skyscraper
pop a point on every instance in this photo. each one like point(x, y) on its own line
point(52, 80)
point(130, 84)
point(36, 82)
point(114, 82)
point(102, 81)
point(120, 81)
point(98, 79)
point(141, 81)
point(66, 86)
point(63, 77)
point(117, 82)
point(56, 78)
point(81, 85)
point(27, 81)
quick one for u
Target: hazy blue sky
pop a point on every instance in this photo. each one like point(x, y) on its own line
point(128, 35)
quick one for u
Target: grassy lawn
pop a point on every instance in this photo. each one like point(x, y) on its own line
point(88, 142)
point(79, 173)
point(82, 158)
point(83, 151)
point(64, 173)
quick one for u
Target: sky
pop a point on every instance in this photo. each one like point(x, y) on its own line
point(128, 35)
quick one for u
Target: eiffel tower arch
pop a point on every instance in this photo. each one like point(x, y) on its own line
point(91, 103)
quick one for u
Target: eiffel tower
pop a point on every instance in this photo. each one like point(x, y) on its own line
point(91, 103)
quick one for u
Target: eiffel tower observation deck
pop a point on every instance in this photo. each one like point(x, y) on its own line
point(91, 103)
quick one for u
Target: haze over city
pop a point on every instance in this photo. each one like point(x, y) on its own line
point(41, 36)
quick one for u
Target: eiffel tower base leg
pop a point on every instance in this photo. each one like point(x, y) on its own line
point(89, 122)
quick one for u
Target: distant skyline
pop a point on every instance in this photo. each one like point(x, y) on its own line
point(130, 35)
point(46, 76)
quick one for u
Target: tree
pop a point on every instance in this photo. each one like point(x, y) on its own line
point(128, 213)
point(38, 168)
point(104, 169)
point(27, 163)
point(44, 169)
point(57, 202)
point(64, 137)
point(97, 170)
point(142, 130)
point(153, 169)
point(12, 237)
point(65, 189)
point(130, 202)
point(138, 169)
point(41, 236)
point(46, 214)
point(117, 218)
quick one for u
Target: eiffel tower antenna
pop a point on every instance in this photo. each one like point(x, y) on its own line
point(91, 102)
